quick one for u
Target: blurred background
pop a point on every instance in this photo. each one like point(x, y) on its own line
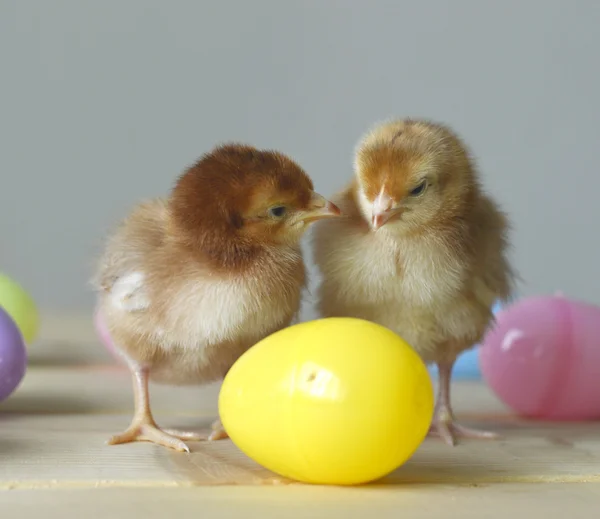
point(103, 104)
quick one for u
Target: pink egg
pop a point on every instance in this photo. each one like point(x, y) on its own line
point(542, 358)
point(104, 335)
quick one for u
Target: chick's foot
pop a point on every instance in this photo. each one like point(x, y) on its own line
point(217, 433)
point(444, 425)
point(150, 432)
point(449, 431)
point(143, 427)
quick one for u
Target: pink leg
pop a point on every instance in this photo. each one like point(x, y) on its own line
point(143, 427)
point(443, 421)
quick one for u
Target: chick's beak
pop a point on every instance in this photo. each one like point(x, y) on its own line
point(383, 210)
point(320, 208)
point(380, 219)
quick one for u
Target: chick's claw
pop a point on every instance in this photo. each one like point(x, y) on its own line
point(151, 433)
point(218, 432)
point(476, 434)
point(449, 432)
point(185, 435)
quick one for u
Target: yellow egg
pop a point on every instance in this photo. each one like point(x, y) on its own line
point(334, 401)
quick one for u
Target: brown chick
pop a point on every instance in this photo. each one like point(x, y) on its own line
point(188, 284)
point(422, 250)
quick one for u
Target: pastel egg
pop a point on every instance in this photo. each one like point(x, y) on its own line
point(21, 307)
point(542, 358)
point(13, 355)
point(333, 401)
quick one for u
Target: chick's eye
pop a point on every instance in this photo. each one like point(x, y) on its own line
point(419, 189)
point(277, 211)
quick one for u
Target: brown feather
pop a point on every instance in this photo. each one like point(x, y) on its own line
point(217, 274)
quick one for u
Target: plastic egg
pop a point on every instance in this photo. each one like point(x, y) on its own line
point(13, 356)
point(21, 307)
point(103, 334)
point(333, 401)
point(542, 358)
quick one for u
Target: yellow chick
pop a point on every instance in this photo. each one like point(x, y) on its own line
point(421, 249)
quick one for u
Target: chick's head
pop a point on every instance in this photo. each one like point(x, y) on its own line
point(243, 197)
point(412, 173)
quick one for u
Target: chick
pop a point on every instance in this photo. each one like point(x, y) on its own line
point(188, 283)
point(422, 250)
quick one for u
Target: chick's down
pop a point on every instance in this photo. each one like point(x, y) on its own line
point(421, 249)
point(188, 283)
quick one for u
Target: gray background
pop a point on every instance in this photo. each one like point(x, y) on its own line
point(104, 103)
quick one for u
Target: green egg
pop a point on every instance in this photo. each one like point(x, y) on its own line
point(20, 306)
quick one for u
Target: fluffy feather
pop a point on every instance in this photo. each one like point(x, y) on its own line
point(189, 283)
point(429, 262)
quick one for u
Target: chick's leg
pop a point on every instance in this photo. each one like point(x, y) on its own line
point(444, 425)
point(143, 427)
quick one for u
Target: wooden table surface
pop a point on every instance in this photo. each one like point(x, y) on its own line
point(54, 460)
